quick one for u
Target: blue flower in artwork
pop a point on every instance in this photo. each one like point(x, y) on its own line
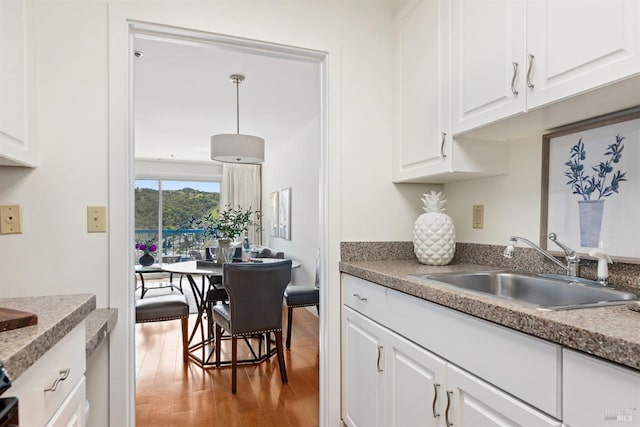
point(589, 186)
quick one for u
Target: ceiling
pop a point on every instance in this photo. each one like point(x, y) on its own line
point(183, 95)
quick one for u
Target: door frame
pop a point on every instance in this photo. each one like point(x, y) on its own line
point(123, 26)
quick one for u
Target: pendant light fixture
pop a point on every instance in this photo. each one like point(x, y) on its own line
point(235, 147)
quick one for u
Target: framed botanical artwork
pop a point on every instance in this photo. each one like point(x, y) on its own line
point(274, 230)
point(284, 212)
point(591, 186)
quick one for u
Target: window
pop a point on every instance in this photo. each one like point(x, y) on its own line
point(163, 208)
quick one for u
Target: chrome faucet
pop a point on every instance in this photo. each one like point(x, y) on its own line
point(572, 268)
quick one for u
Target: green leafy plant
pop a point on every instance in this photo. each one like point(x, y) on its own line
point(229, 224)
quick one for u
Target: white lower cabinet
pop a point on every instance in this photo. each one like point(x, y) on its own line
point(52, 391)
point(597, 393)
point(388, 379)
point(473, 402)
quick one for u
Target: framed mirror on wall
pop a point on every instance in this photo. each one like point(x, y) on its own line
point(591, 185)
point(273, 215)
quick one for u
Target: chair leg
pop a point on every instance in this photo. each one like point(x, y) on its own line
point(218, 342)
point(289, 322)
point(185, 339)
point(279, 349)
point(234, 364)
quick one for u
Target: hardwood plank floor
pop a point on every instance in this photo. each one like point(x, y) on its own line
point(170, 393)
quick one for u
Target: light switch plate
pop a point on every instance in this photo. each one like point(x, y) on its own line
point(96, 219)
point(478, 216)
point(10, 221)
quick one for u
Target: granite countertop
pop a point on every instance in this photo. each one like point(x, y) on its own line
point(57, 316)
point(612, 333)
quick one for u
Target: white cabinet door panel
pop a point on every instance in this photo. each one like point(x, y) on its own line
point(475, 403)
point(416, 381)
point(597, 393)
point(362, 374)
point(576, 49)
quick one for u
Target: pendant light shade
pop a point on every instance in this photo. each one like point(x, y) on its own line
point(235, 147)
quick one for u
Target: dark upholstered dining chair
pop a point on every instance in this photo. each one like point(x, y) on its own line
point(166, 307)
point(302, 296)
point(254, 307)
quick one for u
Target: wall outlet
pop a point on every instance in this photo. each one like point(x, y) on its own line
point(478, 216)
point(96, 219)
point(10, 221)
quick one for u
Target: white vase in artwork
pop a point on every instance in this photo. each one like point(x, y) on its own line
point(434, 235)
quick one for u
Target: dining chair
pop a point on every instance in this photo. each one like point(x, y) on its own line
point(302, 296)
point(166, 307)
point(254, 307)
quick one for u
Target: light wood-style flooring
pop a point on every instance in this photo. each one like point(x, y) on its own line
point(170, 393)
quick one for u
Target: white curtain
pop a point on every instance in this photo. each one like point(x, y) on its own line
point(242, 186)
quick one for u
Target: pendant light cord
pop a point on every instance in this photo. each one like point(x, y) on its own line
point(238, 106)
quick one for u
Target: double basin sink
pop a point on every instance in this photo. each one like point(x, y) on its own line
point(546, 292)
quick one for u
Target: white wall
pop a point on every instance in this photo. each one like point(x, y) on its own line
point(511, 202)
point(297, 167)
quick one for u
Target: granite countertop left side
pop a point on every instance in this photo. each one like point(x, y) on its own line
point(57, 316)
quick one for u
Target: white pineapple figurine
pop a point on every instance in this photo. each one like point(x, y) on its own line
point(434, 236)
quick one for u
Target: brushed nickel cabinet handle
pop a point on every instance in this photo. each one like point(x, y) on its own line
point(446, 411)
point(444, 138)
point(435, 400)
point(63, 375)
point(529, 71)
point(361, 298)
point(380, 348)
point(513, 79)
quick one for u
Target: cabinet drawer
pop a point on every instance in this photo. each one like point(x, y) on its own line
point(526, 367)
point(364, 297)
point(38, 406)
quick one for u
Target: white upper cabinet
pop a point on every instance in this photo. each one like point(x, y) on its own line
point(423, 147)
point(420, 89)
point(487, 61)
point(16, 138)
point(512, 56)
point(580, 46)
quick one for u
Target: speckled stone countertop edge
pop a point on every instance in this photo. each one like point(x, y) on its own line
point(57, 316)
point(612, 333)
point(98, 325)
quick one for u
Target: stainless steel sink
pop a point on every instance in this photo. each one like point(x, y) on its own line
point(546, 293)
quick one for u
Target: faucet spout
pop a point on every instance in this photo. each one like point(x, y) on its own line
point(508, 252)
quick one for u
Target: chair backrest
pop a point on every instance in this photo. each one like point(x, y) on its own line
point(317, 279)
point(255, 295)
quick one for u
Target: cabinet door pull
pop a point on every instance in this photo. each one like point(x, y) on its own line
point(446, 411)
point(361, 298)
point(380, 348)
point(444, 138)
point(529, 71)
point(513, 79)
point(63, 375)
point(435, 400)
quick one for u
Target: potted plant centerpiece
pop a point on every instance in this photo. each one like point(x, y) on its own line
point(148, 248)
point(229, 224)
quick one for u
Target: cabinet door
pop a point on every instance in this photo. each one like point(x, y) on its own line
point(580, 47)
point(362, 371)
point(71, 412)
point(415, 384)
point(475, 403)
point(16, 142)
point(421, 90)
point(597, 393)
point(488, 61)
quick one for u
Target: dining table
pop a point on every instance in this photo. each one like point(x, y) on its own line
point(209, 288)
